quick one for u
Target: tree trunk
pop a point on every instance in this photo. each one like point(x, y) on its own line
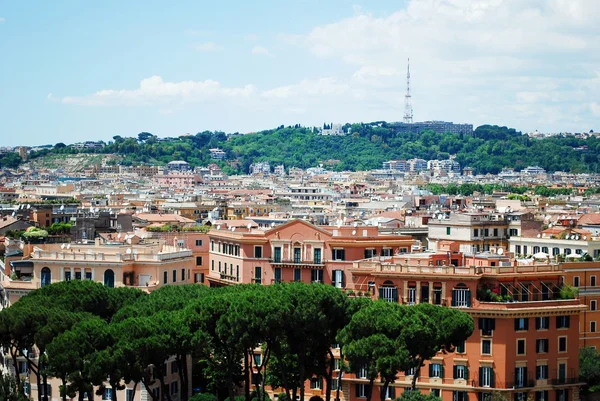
point(64, 388)
point(383, 390)
point(182, 369)
point(114, 392)
point(340, 374)
point(13, 355)
point(329, 376)
point(162, 387)
point(45, 384)
point(416, 375)
point(38, 380)
point(229, 379)
point(263, 368)
point(247, 375)
point(301, 363)
point(134, 390)
point(150, 393)
point(295, 393)
point(370, 392)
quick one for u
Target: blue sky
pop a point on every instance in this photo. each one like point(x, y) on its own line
point(75, 71)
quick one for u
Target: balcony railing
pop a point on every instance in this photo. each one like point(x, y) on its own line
point(528, 383)
point(565, 380)
point(294, 261)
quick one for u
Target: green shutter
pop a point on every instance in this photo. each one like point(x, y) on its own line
point(480, 376)
point(395, 294)
point(454, 372)
point(468, 298)
point(380, 293)
point(430, 370)
point(493, 378)
point(343, 279)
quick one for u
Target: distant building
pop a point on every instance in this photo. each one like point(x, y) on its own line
point(400, 165)
point(417, 164)
point(533, 170)
point(217, 154)
point(333, 129)
point(440, 127)
point(178, 165)
point(279, 170)
point(260, 168)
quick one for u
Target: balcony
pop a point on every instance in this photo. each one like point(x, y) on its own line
point(566, 380)
point(529, 383)
point(297, 263)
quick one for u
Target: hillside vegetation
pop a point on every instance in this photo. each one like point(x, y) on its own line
point(490, 149)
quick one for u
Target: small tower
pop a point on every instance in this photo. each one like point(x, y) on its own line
point(408, 112)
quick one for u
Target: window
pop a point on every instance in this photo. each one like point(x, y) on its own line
point(198, 260)
point(388, 292)
point(212, 265)
point(107, 395)
point(46, 277)
point(173, 367)
point(182, 274)
point(198, 242)
point(541, 345)
point(174, 387)
point(338, 254)
point(487, 326)
point(386, 252)
point(128, 394)
point(237, 272)
point(390, 393)
point(542, 323)
point(335, 383)
point(165, 277)
point(520, 376)
point(369, 253)
point(563, 322)
point(486, 347)
point(486, 376)
point(541, 372)
point(436, 370)
point(593, 326)
point(258, 252)
point(518, 249)
point(562, 344)
point(362, 372)
point(277, 254)
point(495, 232)
point(541, 395)
point(338, 278)
point(521, 324)
point(88, 275)
point(257, 359)
point(22, 367)
point(316, 276)
point(593, 305)
point(520, 396)
point(460, 348)
point(562, 394)
point(258, 274)
point(486, 232)
point(410, 371)
point(461, 372)
point(198, 277)
point(448, 230)
point(67, 276)
point(576, 281)
point(436, 392)
point(297, 255)
point(362, 390)
point(461, 296)
point(562, 372)
point(521, 347)
point(475, 232)
point(297, 274)
point(460, 396)
point(278, 274)
point(174, 275)
point(317, 256)
point(316, 383)
point(336, 364)
point(592, 281)
point(412, 295)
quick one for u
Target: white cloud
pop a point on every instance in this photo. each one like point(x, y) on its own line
point(155, 90)
point(207, 47)
point(260, 50)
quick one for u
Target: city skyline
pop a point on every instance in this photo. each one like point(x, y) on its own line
point(81, 72)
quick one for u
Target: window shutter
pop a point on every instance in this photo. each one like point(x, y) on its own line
point(492, 324)
point(430, 370)
point(480, 376)
point(358, 390)
point(455, 372)
point(395, 294)
point(516, 324)
point(516, 374)
point(481, 323)
point(526, 323)
point(537, 322)
point(557, 322)
point(343, 278)
point(441, 371)
point(568, 321)
point(393, 393)
point(333, 277)
point(468, 298)
point(380, 293)
point(453, 297)
point(492, 378)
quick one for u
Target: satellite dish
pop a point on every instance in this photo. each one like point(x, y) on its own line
point(218, 226)
point(585, 237)
point(500, 251)
point(128, 251)
point(577, 237)
point(14, 214)
point(68, 246)
point(539, 235)
point(62, 246)
point(29, 206)
point(353, 232)
point(119, 236)
point(355, 224)
point(232, 228)
point(272, 224)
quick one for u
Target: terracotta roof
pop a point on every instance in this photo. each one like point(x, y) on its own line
point(589, 219)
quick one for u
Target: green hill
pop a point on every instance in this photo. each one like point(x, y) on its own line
point(490, 149)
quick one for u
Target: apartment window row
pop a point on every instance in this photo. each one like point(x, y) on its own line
point(227, 269)
point(227, 249)
point(541, 345)
point(577, 281)
point(542, 323)
point(485, 232)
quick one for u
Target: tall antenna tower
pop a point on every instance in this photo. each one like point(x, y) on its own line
point(408, 112)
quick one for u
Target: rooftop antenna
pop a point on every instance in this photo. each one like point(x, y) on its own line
point(408, 112)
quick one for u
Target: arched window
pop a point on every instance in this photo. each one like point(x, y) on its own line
point(461, 296)
point(545, 249)
point(536, 249)
point(109, 278)
point(46, 277)
point(555, 251)
point(388, 291)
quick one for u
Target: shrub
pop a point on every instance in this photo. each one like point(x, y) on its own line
point(204, 397)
